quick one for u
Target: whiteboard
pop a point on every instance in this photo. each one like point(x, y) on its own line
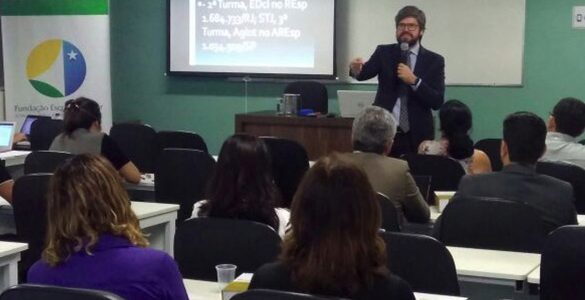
point(482, 40)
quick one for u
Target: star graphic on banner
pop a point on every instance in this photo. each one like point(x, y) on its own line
point(72, 55)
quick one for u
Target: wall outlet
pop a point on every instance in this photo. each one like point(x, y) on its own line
point(579, 17)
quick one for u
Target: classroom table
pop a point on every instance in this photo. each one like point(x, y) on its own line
point(209, 290)
point(158, 220)
point(9, 257)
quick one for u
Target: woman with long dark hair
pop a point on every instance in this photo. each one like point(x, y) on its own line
point(455, 118)
point(333, 248)
point(242, 186)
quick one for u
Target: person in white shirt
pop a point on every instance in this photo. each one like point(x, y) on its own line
point(566, 123)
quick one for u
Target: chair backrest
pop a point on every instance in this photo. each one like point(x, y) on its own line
point(570, 173)
point(423, 182)
point(445, 172)
point(491, 223)
point(422, 261)
point(289, 163)
point(44, 161)
point(180, 139)
point(202, 243)
point(491, 147)
point(390, 219)
point(42, 133)
point(30, 215)
point(47, 292)
point(262, 294)
point(138, 143)
point(313, 94)
point(562, 264)
point(181, 177)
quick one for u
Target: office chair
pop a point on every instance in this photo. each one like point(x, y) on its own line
point(30, 216)
point(570, 173)
point(390, 219)
point(491, 223)
point(264, 294)
point(445, 172)
point(491, 147)
point(44, 161)
point(42, 133)
point(313, 95)
point(181, 177)
point(201, 243)
point(422, 261)
point(47, 292)
point(562, 267)
point(180, 139)
point(138, 143)
point(289, 163)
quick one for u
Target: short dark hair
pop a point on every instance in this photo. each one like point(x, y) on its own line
point(80, 113)
point(569, 116)
point(414, 12)
point(524, 133)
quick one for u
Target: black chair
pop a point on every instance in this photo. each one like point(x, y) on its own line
point(42, 133)
point(313, 94)
point(289, 164)
point(390, 219)
point(203, 243)
point(570, 173)
point(44, 161)
point(180, 139)
point(138, 143)
point(490, 223)
point(47, 292)
point(423, 262)
point(423, 182)
point(181, 177)
point(445, 172)
point(491, 147)
point(30, 216)
point(262, 294)
point(562, 264)
point(582, 142)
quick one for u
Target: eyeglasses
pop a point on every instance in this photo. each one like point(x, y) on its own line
point(409, 27)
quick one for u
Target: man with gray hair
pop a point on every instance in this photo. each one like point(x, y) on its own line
point(372, 137)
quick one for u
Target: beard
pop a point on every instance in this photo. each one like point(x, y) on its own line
point(408, 38)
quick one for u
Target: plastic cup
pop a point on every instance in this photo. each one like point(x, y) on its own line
point(225, 274)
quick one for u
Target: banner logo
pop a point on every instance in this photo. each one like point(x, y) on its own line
point(56, 68)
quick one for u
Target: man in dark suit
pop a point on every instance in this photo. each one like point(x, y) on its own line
point(411, 81)
point(522, 146)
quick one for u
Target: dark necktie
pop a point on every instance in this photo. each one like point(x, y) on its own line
point(403, 94)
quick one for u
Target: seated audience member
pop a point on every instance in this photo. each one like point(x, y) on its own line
point(455, 143)
point(372, 136)
point(334, 248)
point(6, 184)
point(82, 134)
point(242, 186)
point(94, 240)
point(566, 123)
point(522, 146)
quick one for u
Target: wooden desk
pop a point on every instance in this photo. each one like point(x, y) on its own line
point(208, 290)
point(319, 136)
point(494, 267)
point(158, 220)
point(9, 257)
point(534, 276)
point(14, 157)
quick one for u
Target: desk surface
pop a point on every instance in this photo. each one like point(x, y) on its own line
point(494, 264)
point(14, 157)
point(208, 290)
point(9, 248)
point(149, 209)
point(534, 276)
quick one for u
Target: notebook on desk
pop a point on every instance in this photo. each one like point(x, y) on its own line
point(6, 135)
point(352, 102)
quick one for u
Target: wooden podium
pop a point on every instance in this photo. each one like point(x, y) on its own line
point(319, 135)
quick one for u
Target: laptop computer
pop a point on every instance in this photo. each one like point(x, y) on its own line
point(6, 135)
point(27, 124)
point(352, 102)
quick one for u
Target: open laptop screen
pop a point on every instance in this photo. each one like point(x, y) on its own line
point(27, 124)
point(6, 134)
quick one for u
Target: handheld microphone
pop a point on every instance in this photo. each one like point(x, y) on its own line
point(404, 48)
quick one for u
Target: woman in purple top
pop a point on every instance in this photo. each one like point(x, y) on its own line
point(94, 241)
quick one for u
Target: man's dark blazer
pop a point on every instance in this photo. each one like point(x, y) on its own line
point(552, 198)
point(430, 67)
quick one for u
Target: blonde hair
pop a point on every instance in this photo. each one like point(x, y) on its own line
point(86, 199)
